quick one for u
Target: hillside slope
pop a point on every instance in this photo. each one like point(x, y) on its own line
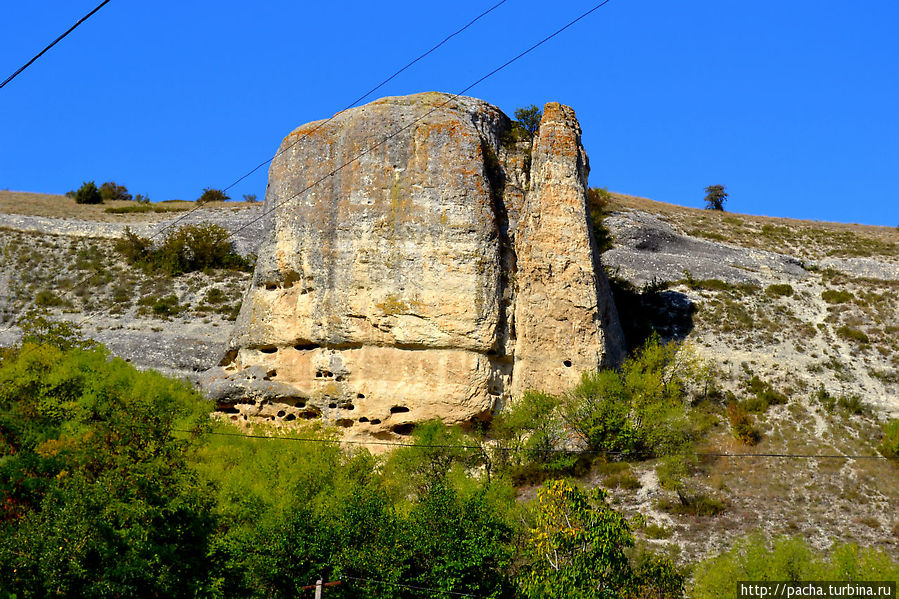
point(809, 309)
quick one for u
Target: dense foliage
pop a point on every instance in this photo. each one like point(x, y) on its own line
point(788, 559)
point(111, 190)
point(186, 249)
point(115, 483)
point(87, 194)
point(212, 195)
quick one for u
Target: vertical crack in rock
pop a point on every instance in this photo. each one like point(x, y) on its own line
point(424, 275)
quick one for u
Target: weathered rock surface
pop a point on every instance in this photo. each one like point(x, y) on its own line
point(564, 315)
point(422, 279)
point(647, 249)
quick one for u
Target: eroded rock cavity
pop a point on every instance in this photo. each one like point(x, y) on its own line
point(439, 272)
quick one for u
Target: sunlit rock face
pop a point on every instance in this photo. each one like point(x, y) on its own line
point(419, 263)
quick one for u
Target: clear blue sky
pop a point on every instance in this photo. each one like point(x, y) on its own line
point(790, 103)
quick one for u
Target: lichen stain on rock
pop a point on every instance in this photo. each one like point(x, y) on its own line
point(402, 272)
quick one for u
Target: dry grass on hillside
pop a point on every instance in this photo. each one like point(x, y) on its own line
point(804, 239)
point(60, 206)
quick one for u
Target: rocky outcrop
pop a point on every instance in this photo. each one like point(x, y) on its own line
point(419, 264)
point(564, 316)
point(648, 249)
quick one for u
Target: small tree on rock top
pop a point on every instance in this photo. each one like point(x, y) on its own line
point(529, 118)
point(715, 196)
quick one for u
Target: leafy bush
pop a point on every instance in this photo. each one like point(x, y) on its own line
point(161, 306)
point(212, 195)
point(249, 197)
point(186, 249)
point(112, 191)
point(598, 204)
point(742, 424)
point(785, 290)
point(643, 408)
point(526, 435)
point(790, 559)
point(850, 334)
point(144, 207)
point(97, 498)
point(889, 445)
point(578, 544)
point(832, 296)
point(763, 395)
point(45, 297)
point(88, 194)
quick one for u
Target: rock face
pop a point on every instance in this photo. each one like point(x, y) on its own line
point(409, 272)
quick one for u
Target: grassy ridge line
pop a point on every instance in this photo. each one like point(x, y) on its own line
point(59, 206)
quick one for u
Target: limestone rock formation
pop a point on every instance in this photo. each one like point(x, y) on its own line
point(419, 263)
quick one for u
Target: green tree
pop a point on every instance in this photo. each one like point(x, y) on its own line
point(88, 194)
point(529, 118)
point(715, 196)
point(98, 497)
point(212, 195)
point(112, 191)
point(576, 548)
point(792, 559)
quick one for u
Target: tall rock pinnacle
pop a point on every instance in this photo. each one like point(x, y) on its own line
point(420, 277)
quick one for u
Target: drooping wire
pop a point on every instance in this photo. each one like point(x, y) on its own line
point(56, 41)
point(347, 107)
point(416, 120)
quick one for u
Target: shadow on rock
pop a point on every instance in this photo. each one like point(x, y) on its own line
point(651, 309)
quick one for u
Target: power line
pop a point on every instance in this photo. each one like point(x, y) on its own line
point(397, 132)
point(433, 110)
point(347, 107)
point(350, 105)
point(613, 454)
point(56, 41)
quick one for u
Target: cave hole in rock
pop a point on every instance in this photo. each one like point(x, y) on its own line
point(270, 374)
point(268, 349)
point(348, 406)
point(363, 419)
point(271, 286)
point(360, 396)
point(403, 429)
point(345, 422)
point(376, 421)
point(281, 413)
point(290, 417)
point(306, 347)
point(310, 414)
point(332, 405)
point(234, 418)
point(231, 410)
point(567, 363)
point(399, 410)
